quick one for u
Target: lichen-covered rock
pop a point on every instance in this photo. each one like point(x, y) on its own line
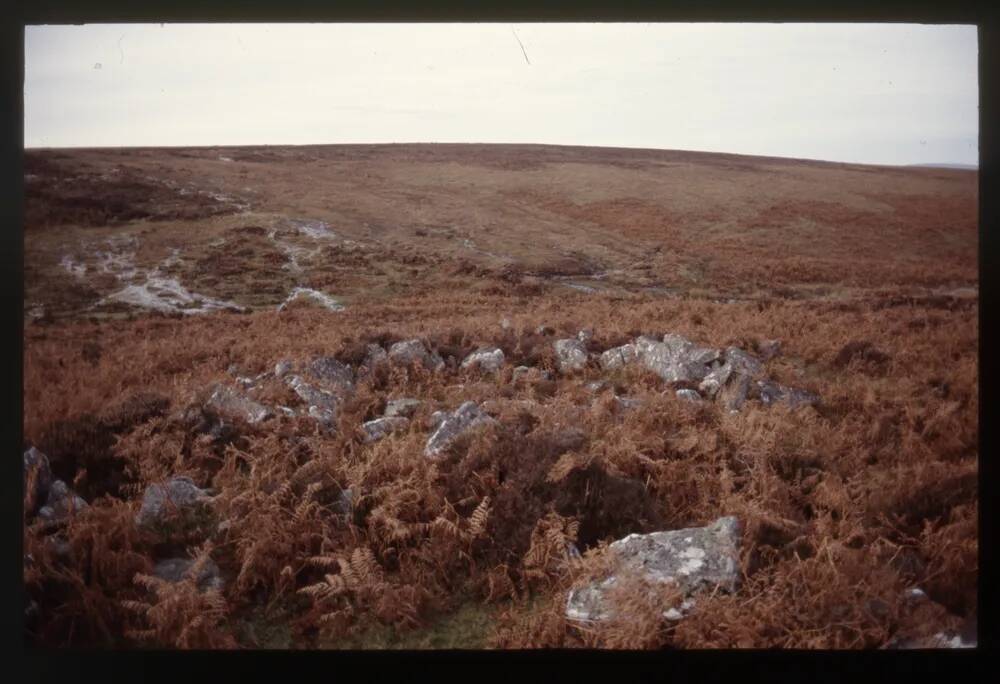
point(688, 351)
point(461, 420)
point(332, 375)
point(401, 407)
point(715, 380)
point(376, 355)
point(178, 569)
point(228, 402)
point(413, 351)
point(61, 503)
point(383, 427)
point(489, 360)
point(676, 360)
point(38, 471)
point(323, 404)
point(689, 395)
point(585, 335)
point(163, 499)
point(691, 559)
point(772, 392)
point(618, 357)
point(572, 354)
point(742, 362)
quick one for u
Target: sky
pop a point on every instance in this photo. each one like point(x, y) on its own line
point(862, 93)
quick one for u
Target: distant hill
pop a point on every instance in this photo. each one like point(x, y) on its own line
point(967, 167)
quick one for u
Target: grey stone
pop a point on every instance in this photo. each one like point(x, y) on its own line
point(688, 394)
point(178, 569)
point(163, 498)
point(618, 357)
point(38, 463)
point(687, 350)
point(675, 361)
point(282, 368)
point(735, 392)
point(597, 386)
point(772, 392)
point(628, 403)
point(413, 351)
point(489, 360)
point(322, 403)
point(692, 559)
point(585, 335)
point(572, 354)
point(332, 375)
point(345, 502)
point(742, 362)
point(460, 421)
point(505, 323)
point(401, 407)
point(376, 355)
point(715, 380)
point(435, 419)
point(228, 402)
point(61, 503)
point(383, 427)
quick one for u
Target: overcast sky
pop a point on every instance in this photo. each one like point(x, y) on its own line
point(868, 93)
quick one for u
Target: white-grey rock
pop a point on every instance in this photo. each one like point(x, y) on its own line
point(676, 360)
point(461, 420)
point(163, 498)
point(488, 360)
point(401, 407)
point(383, 427)
point(61, 503)
point(376, 355)
point(230, 403)
point(177, 569)
point(618, 357)
point(691, 559)
point(505, 323)
point(413, 351)
point(772, 392)
point(689, 395)
point(282, 368)
point(742, 362)
point(689, 351)
point(585, 335)
point(332, 375)
point(572, 354)
point(597, 386)
point(314, 396)
point(38, 463)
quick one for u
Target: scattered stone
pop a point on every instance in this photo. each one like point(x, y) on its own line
point(435, 419)
point(376, 355)
point(464, 418)
point(618, 357)
point(572, 354)
point(383, 427)
point(505, 323)
point(61, 503)
point(689, 394)
point(488, 360)
point(36, 465)
point(691, 559)
point(178, 569)
point(677, 360)
point(413, 351)
point(332, 375)
point(230, 403)
point(715, 380)
point(772, 392)
point(321, 402)
point(585, 336)
point(742, 362)
point(282, 368)
point(401, 407)
point(162, 499)
point(521, 371)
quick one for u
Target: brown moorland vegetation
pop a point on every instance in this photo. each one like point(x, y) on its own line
point(867, 276)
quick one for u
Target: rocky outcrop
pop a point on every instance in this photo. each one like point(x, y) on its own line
point(227, 402)
point(692, 559)
point(332, 375)
point(382, 427)
point(413, 351)
point(489, 360)
point(453, 425)
point(404, 408)
point(163, 500)
point(619, 357)
point(772, 392)
point(571, 353)
point(676, 359)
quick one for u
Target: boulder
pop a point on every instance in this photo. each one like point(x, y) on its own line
point(463, 419)
point(332, 375)
point(585, 336)
point(401, 407)
point(413, 351)
point(376, 355)
point(37, 469)
point(742, 362)
point(677, 360)
point(282, 368)
point(323, 404)
point(489, 360)
point(435, 419)
point(61, 503)
point(689, 394)
point(689, 351)
point(228, 402)
point(162, 499)
point(177, 569)
point(572, 354)
point(618, 357)
point(692, 559)
point(772, 392)
point(383, 427)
